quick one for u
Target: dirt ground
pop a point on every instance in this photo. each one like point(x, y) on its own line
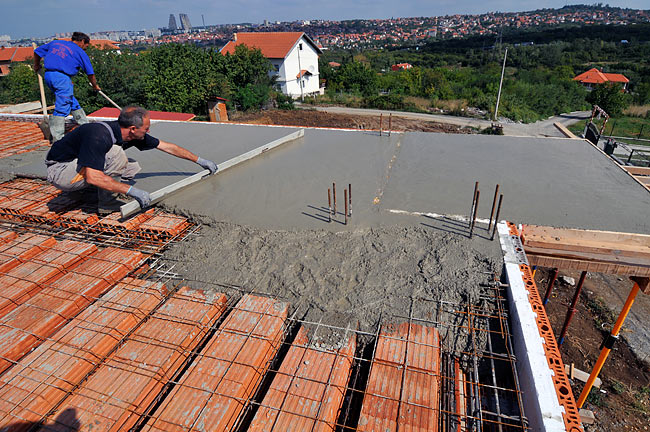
point(312, 118)
point(623, 402)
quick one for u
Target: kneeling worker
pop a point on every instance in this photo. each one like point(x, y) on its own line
point(93, 155)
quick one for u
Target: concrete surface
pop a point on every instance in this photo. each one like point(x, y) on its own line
point(545, 181)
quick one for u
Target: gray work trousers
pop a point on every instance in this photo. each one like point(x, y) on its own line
point(65, 175)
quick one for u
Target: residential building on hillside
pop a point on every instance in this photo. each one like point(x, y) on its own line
point(595, 77)
point(14, 55)
point(401, 66)
point(294, 56)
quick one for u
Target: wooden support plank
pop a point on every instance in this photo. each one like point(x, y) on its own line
point(581, 375)
point(586, 256)
point(133, 207)
point(591, 266)
point(644, 180)
point(643, 171)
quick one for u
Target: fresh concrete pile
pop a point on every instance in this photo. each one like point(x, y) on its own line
point(367, 276)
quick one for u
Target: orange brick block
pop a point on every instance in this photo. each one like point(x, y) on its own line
point(44, 377)
point(27, 325)
point(308, 390)
point(119, 392)
point(216, 388)
point(25, 280)
point(163, 225)
point(23, 248)
point(403, 390)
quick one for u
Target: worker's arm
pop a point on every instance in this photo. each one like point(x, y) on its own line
point(183, 153)
point(93, 82)
point(98, 179)
point(37, 62)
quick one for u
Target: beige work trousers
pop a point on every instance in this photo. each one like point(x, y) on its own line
point(65, 175)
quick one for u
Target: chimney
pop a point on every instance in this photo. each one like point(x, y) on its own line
point(234, 37)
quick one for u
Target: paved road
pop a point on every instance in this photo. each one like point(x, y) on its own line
point(541, 128)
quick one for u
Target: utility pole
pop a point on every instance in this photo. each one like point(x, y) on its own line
point(503, 69)
point(302, 96)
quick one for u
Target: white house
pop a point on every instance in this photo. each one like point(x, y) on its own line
point(294, 56)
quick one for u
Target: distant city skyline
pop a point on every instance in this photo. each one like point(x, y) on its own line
point(43, 18)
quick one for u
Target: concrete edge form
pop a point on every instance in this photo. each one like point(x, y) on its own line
point(132, 207)
point(566, 132)
point(543, 409)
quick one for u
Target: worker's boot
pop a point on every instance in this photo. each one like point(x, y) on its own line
point(57, 127)
point(107, 201)
point(79, 116)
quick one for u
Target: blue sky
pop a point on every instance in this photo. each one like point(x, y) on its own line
point(42, 18)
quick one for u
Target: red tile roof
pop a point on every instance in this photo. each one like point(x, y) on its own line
point(594, 76)
point(303, 72)
point(17, 54)
point(100, 43)
point(272, 44)
point(154, 115)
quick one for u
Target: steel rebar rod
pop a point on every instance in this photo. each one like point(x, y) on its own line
point(494, 204)
point(471, 212)
point(550, 286)
point(471, 228)
point(572, 308)
point(496, 219)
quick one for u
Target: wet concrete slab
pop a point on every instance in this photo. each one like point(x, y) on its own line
point(395, 180)
point(287, 187)
point(546, 181)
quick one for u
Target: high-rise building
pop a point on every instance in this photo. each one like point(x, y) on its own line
point(172, 22)
point(185, 21)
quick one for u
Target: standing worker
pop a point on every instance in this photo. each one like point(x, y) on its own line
point(62, 60)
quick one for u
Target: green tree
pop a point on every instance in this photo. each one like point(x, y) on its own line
point(21, 85)
point(247, 71)
point(357, 77)
point(610, 98)
point(181, 77)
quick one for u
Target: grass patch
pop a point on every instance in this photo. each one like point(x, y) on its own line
point(624, 126)
point(603, 315)
point(618, 387)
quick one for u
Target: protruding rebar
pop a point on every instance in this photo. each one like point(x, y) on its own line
point(471, 212)
point(549, 290)
point(471, 228)
point(345, 198)
point(496, 219)
point(329, 205)
point(334, 193)
point(572, 308)
point(494, 204)
point(350, 198)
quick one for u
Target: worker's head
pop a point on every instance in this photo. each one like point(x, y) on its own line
point(81, 39)
point(134, 121)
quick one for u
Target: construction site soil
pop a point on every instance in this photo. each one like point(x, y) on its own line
point(312, 118)
point(357, 278)
point(623, 401)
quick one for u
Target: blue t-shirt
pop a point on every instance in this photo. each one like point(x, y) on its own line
point(64, 56)
point(90, 142)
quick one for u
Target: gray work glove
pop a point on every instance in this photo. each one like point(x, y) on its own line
point(207, 164)
point(142, 197)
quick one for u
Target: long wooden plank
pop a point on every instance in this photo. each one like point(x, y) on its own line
point(586, 256)
point(644, 171)
point(632, 239)
point(644, 180)
point(592, 266)
point(133, 207)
